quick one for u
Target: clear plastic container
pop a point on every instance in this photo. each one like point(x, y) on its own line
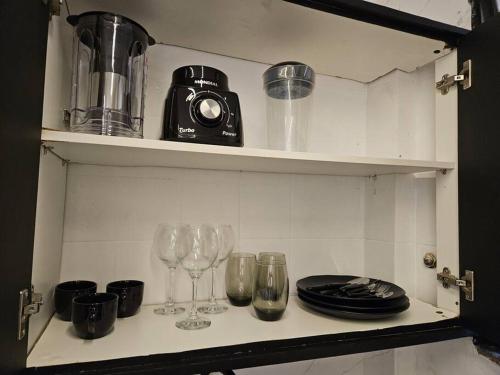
point(289, 87)
point(109, 63)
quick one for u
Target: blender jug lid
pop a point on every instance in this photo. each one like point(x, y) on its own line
point(74, 19)
point(289, 80)
point(200, 76)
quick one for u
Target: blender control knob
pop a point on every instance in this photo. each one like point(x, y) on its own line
point(209, 109)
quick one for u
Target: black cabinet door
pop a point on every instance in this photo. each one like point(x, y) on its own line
point(22, 67)
point(479, 178)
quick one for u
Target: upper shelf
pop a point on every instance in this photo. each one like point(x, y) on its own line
point(273, 31)
point(120, 151)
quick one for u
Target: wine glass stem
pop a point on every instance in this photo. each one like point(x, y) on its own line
point(170, 287)
point(194, 312)
point(212, 294)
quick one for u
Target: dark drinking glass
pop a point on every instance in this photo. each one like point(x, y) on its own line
point(240, 271)
point(270, 292)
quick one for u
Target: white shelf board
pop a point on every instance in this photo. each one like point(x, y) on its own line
point(273, 31)
point(147, 333)
point(121, 151)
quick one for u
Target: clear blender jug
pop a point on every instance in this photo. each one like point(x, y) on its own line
point(109, 61)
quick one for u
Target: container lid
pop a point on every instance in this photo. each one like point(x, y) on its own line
point(74, 19)
point(289, 80)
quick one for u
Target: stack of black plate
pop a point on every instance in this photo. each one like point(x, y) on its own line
point(322, 293)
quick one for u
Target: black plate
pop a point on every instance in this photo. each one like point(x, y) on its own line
point(371, 309)
point(351, 314)
point(311, 281)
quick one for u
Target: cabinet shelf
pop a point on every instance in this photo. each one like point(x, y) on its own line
point(233, 333)
point(120, 151)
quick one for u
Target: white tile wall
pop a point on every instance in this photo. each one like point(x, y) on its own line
point(425, 239)
point(338, 123)
point(327, 207)
point(265, 205)
point(423, 100)
point(382, 118)
point(379, 259)
point(400, 115)
point(269, 212)
point(399, 230)
point(326, 256)
point(112, 212)
point(380, 208)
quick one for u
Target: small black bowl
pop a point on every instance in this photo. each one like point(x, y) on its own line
point(129, 293)
point(94, 315)
point(65, 292)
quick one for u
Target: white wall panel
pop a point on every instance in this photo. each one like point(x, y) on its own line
point(48, 239)
point(112, 213)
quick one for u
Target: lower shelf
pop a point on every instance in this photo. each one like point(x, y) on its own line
point(235, 339)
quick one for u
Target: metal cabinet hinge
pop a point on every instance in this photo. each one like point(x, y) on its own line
point(464, 78)
point(466, 282)
point(29, 304)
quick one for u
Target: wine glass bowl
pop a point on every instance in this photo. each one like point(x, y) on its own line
point(196, 257)
point(167, 239)
point(225, 241)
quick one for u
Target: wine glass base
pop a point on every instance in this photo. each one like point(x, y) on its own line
point(212, 309)
point(169, 310)
point(193, 323)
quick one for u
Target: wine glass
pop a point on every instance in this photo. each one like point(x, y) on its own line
point(196, 259)
point(166, 240)
point(225, 244)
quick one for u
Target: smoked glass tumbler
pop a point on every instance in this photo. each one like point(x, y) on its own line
point(270, 291)
point(240, 272)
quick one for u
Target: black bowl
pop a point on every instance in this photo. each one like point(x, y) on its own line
point(130, 293)
point(93, 315)
point(65, 292)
